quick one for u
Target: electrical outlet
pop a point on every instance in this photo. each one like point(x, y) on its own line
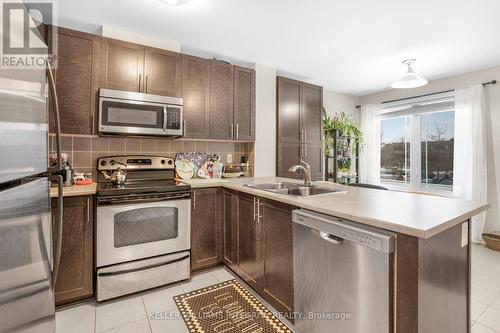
point(229, 158)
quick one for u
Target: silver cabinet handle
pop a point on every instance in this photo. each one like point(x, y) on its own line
point(258, 211)
point(305, 135)
point(88, 210)
point(254, 215)
point(140, 77)
point(231, 129)
point(147, 76)
point(305, 150)
point(237, 131)
point(194, 199)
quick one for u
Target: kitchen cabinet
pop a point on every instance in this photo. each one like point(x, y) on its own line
point(196, 96)
point(138, 68)
point(77, 81)
point(244, 103)
point(300, 130)
point(206, 242)
point(221, 101)
point(230, 228)
point(276, 219)
point(249, 241)
point(75, 278)
point(121, 65)
point(162, 70)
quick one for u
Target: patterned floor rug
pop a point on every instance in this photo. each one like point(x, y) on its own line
point(227, 307)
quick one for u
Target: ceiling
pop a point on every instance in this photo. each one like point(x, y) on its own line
point(354, 46)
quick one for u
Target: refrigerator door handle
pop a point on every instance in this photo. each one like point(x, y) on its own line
point(57, 254)
point(53, 94)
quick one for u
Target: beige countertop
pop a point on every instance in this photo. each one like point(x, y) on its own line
point(417, 215)
point(75, 190)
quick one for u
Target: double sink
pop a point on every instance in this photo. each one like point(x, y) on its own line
point(293, 189)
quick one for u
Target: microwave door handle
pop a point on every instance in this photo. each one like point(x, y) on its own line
point(57, 121)
point(165, 119)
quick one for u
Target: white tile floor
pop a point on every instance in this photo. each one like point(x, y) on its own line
point(155, 311)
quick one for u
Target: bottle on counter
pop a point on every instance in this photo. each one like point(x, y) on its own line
point(217, 167)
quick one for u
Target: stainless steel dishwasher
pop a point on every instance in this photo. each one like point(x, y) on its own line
point(342, 274)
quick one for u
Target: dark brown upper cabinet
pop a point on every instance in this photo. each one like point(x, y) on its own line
point(244, 103)
point(122, 65)
point(196, 96)
point(75, 278)
point(162, 70)
point(221, 124)
point(300, 128)
point(206, 242)
point(77, 81)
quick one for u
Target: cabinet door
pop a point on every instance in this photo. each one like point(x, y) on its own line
point(230, 227)
point(195, 96)
point(244, 103)
point(77, 81)
point(121, 65)
point(205, 228)
point(249, 241)
point(74, 281)
point(313, 155)
point(278, 254)
point(289, 105)
point(311, 114)
point(288, 156)
point(221, 101)
point(163, 72)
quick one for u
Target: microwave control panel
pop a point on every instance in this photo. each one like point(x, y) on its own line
point(173, 118)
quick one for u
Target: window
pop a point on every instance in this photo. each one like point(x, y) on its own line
point(416, 145)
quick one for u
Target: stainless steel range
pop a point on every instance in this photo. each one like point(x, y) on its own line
point(142, 225)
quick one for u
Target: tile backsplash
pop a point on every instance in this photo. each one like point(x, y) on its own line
point(86, 149)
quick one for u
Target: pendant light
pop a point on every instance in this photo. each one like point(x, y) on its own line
point(410, 79)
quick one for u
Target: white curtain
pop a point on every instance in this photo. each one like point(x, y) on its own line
point(469, 160)
point(370, 149)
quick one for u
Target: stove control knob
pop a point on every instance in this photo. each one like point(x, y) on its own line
point(170, 162)
point(163, 162)
point(103, 162)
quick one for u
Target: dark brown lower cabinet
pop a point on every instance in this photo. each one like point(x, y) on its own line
point(206, 243)
point(249, 241)
point(258, 245)
point(230, 228)
point(276, 219)
point(75, 278)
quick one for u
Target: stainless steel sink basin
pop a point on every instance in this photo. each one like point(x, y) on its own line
point(293, 189)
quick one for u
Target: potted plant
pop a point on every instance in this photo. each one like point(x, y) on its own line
point(341, 124)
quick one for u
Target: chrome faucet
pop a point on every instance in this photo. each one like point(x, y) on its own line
point(306, 169)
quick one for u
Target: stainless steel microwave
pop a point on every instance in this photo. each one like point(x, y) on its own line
point(125, 112)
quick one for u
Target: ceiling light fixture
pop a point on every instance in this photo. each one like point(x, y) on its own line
point(174, 2)
point(410, 79)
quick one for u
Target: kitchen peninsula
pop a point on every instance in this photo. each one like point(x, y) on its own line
point(430, 266)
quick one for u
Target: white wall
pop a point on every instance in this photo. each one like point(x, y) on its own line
point(335, 102)
point(164, 42)
point(265, 121)
point(492, 94)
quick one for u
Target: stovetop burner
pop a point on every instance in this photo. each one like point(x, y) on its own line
point(145, 174)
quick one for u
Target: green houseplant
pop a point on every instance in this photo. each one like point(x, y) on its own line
point(344, 124)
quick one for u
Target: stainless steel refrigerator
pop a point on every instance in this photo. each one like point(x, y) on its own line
point(27, 265)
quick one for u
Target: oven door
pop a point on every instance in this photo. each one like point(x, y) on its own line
point(131, 117)
point(135, 231)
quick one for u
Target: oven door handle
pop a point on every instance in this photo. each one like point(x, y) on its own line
point(131, 270)
point(141, 198)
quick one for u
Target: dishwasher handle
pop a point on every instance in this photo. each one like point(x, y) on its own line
point(330, 238)
point(337, 231)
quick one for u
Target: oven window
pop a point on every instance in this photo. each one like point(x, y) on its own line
point(145, 225)
point(136, 115)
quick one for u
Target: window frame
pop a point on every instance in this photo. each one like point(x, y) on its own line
point(414, 108)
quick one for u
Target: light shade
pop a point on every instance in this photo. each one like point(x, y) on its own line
point(410, 79)
point(174, 2)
